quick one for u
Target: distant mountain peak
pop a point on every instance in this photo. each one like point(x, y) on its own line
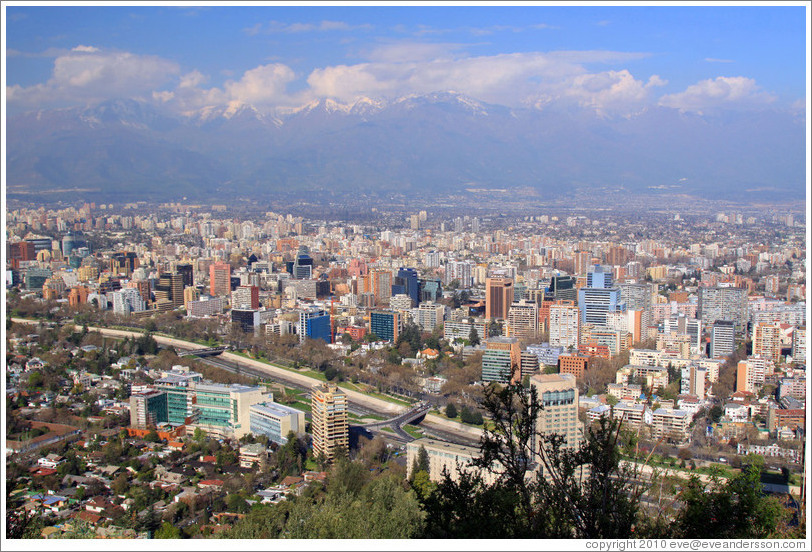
point(449, 97)
point(234, 111)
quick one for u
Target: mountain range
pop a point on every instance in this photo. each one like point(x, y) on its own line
point(420, 146)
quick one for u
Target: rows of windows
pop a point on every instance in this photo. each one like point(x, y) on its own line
point(565, 396)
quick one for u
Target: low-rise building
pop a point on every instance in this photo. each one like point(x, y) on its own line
point(276, 421)
point(672, 424)
point(254, 454)
point(448, 457)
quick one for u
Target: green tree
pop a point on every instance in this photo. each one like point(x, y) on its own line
point(167, 531)
point(236, 504)
point(451, 410)
point(382, 509)
point(35, 380)
point(422, 484)
point(120, 484)
point(584, 492)
point(347, 477)
point(469, 416)
point(737, 509)
point(473, 336)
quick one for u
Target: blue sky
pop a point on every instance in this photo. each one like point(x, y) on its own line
point(610, 59)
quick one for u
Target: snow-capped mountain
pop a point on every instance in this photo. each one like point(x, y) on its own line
point(423, 144)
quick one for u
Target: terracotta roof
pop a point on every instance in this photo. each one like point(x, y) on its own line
point(291, 480)
point(89, 517)
point(210, 483)
point(41, 472)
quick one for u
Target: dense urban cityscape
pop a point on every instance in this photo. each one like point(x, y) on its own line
point(387, 275)
point(171, 367)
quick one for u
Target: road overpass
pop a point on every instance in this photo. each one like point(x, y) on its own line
point(442, 425)
point(205, 352)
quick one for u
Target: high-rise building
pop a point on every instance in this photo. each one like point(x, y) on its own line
point(385, 324)
point(767, 341)
point(400, 302)
point(245, 297)
point(501, 361)
point(799, 344)
point(21, 251)
point(683, 325)
point(246, 320)
point(206, 306)
point(693, 381)
point(723, 303)
point(220, 279)
point(430, 315)
point(752, 373)
point(582, 259)
point(564, 325)
point(558, 394)
point(123, 263)
point(190, 294)
point(314, 323)
point(430, 290)
point(447, 458)
point(562, 288)
point(72, 241)
point(598, 298)
point(529, 364)
point(462, 271)
point(187, 272)
point(169, 288)
point(407, 281)
point(148, 409)
point(302, 267)
point(523, 320)
point(723, 339)
point(381, 285)
point(498, 297)
point(127, 300)
point(329, 421)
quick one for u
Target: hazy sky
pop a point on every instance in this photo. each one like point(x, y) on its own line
point(606, 58)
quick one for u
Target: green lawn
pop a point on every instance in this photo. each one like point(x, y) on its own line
point(389, 429)
point(371, 417)
point(414, 431)
point(299, 405)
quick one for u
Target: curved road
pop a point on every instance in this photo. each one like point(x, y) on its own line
point(462, 431)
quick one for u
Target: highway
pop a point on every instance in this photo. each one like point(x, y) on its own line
point(437, 426)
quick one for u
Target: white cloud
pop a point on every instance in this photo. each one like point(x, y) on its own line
point(163, 97)
point(192, 79)
point(721, 92)
point(88, 74)
point(717, 60)
point(509, 79)
point(607, 93)
point(263, 86)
